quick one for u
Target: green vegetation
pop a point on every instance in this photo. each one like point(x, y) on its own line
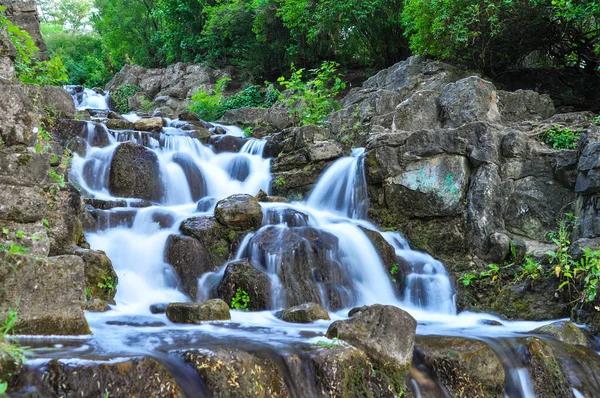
point(559, 137)
point(328, 343)
point(10, 348)
point(28, 67)
point(12, 247)
point(213, 105)
point(241, 300)
point(394, 272)
point(107, 283)
point(121, 97)
point(313, 100)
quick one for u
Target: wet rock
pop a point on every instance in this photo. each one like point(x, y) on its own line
point(191, 259)
point(211, 310)
point(303, 313)
point(152, 124)
point(49, 294)
point(469, 100)
point(564, 331)
point(242, 275)
point(253, 376)
point(119, 124)
point(489, 322)
point(226, 143)
point(96, 305)
point(240, 212)
point(309, 266)
point(139, 377)
point(100, 277)
point(10, 364)
point(463, 366)
point(194, 176)
point(201, 134)
point(386, 252)
point(287, 216)
point(135, 172)
point(158, 308)
point(188, 116)
point(545, 370)
point(386, 334)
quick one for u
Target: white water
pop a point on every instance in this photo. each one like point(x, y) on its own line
point(89, 99)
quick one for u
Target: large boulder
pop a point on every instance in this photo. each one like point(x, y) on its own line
point(240, 212)
point(135, 377)
point(48, 294)
point(211, 310)
point(23, 168)
point(65, 228)
point(54, 102)
point(524, 105)
point(386, 334)
point(303, 313)
point(242, 275)
point(463, 366)
point(135, 172)
point(252, 376)
point(226, 143)
point(420, 111)
point(469, 100)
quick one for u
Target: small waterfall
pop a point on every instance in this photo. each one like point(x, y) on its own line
point(86, 98)
point(343, 188)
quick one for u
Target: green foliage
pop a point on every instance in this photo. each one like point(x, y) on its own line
point(313, 100)
point(3, 387)
point(559, 137)
point(531, 269)
point(241, 300)
point(248, 131)
point(107, 283)
point(483, 34)
point(28, 67)
point(467, 278)
point(212, 106)
point(121, 97)
point(596, 120)
point(280, 182)
point(328, 343)
point(394, 272)
point(43, 139)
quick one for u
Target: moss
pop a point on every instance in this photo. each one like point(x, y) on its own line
point(25, 159)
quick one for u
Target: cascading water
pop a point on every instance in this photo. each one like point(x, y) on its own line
point(86, 98)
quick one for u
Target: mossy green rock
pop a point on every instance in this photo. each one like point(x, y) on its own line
point(100, 277)
point(564, 331)
point(242, 275)
point(465, 367)
point(303, 313)
point(240, 212)
point(211, 310)
point(231, 373)
point(545, 370)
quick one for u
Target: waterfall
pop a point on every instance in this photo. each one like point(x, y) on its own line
point(86, 98)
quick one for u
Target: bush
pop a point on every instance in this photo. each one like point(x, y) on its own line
point(121, 97)
point(313, 100)
point(559, 137)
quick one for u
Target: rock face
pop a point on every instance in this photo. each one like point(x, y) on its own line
point(240, 212)
point(303, 313)
point(253, 376)
point(25, 15)
point(135, 172)
point(211, 310)
point(242, 275)
point(463, 366)
point(385, 333)
point(49, 294)
point(140, 377)
point(275, 119)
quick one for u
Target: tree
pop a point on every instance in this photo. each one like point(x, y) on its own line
point(72, 15)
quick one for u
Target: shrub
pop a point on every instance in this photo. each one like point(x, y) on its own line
point(241, 300)
point(121, 97)
point(312, 101)
point(559, 137)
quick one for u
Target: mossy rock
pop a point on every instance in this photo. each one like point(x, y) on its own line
point(564, 331)
point(545, 370)
point(303, 313)
point(242, 275)
point(211, 310)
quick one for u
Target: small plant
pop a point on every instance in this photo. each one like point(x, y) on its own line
point(248, 131)
point(531, 269)
point(147, 105)
point(559, 137)
point(596, 120)
point(208, 106)
point(467, 278)
point(328, 343)
point(393, 272)
point(312, 101)
point(106, 394)
point(43, 138)
point(280, 182)
point(241, 300)
point(107, 284)
point(121, 97)
point(88, 293)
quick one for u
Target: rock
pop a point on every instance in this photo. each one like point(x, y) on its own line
point(34, 237)
point(54, 102)
point(63, 221)
point(135, 172)
point(524, 105)
point(23, 168)
point(10, 364)
point(463, 366)
point(49, 294)
point(324, 150)
point(240, 212)
point(100, 277)
point(303, 313)
point(499, 247)
point(588, 178)
point(191, 259)
point(277, 118)
point(139, 377)
point(386, 334)
point(308, 265)
point(8, 53)
point(242, 275)
point(96, 305)
point(564, 331)
point(193, 174)
point(188, 116)
point(386, 252)
point(545, 370)
point(153, 124)
point(420, 111)
point(284, 215)
point(25, 15)
point(469, 100)
point(21, 204)
point(211, 310)
point(254, 376)
point(119, 124)
point(158, 308)
point(226, 143)
point(201, 134)
point(19, 120)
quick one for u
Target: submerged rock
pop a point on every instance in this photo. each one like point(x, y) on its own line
point(135, 172)
point(242, 275)
point(463, 366)
point(303, 313)
point(386, 334)
point(211, 310)
point(231, 373)
point(240, 212)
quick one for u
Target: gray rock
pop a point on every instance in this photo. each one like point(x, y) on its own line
point(278, 118)
point(324, 150)
point(22, 204)
point(524, 105)
point(239, 212)
point(303, 313)
point(242, 275)
point(190, 259)
point(152, 124)
point(19, 119)
point(469, 100)
point(135, 172)
point(420, 111)
point(211, 310)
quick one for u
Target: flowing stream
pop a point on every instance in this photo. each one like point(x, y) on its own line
point(193, 178)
